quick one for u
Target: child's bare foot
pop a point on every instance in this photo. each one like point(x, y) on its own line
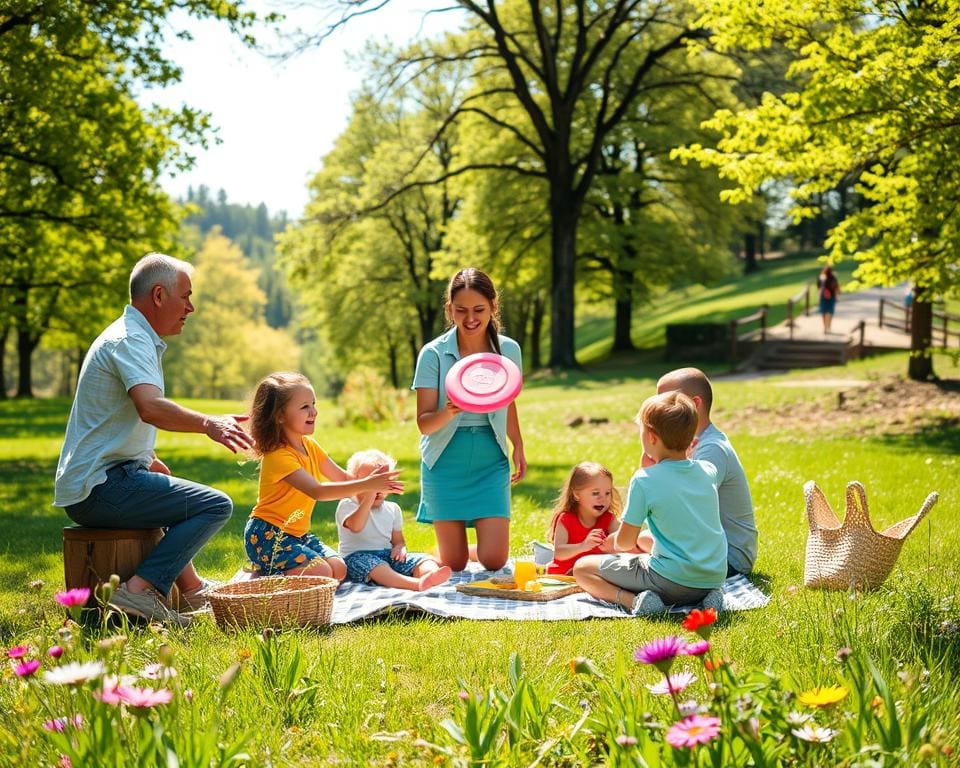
point(434, 578)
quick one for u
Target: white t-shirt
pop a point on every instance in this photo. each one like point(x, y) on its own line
point(376, 534)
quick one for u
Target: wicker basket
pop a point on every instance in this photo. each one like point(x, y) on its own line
point(852, 554)
point(272, 601)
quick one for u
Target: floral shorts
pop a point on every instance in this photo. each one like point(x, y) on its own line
point(360, 563)
point(273, 551)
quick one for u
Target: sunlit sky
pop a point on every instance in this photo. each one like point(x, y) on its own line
point(276, 119)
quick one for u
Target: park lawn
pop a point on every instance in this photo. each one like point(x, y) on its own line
point(384, 681)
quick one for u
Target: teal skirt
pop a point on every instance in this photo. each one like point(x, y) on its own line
point(470, 480)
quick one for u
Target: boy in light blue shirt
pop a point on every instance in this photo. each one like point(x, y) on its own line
point(677, 499)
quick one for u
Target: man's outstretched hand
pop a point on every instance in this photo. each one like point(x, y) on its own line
point(227, 431)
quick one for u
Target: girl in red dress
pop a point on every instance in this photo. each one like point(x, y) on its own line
point(584, 516)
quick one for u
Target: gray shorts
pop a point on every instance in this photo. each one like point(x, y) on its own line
point(633, 573)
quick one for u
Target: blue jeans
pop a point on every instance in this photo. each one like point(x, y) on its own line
point(134, 497)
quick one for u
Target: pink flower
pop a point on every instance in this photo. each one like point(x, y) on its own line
point(626, 741)
point(27, 668)
point(672, 683)
point(698, 648)
point(660, 652)
point(144, 698)
point(55, 652)
point(65, 762)
point(73, 597)
point(693, 730)
point(59, 724)
point(17, 652)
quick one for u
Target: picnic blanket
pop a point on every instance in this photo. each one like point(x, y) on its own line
point(354, 602)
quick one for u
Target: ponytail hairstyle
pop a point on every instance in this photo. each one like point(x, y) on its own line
point(269, 400)
point(579, 478)
point(471, 278)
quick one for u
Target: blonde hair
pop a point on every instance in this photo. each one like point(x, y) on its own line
point(578, 479)
point(672, 416)
point(271, 397)
point(369, 458)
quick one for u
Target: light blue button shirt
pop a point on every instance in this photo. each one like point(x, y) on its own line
point(434, 362)
point(736, 506)
point(104, 428)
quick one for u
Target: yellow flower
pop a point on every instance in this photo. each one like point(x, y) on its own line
point(823, 697)
point(243, 654)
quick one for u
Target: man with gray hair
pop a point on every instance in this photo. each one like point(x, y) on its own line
point(109, 475)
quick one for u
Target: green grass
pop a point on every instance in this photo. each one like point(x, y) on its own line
point(401, 674)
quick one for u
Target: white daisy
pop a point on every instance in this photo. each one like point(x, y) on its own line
point(74, 673)
point(814, 734)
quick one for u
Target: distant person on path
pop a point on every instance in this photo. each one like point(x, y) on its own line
point(829, 288)
point(676, 497)
point(277, 536)
point(372, 544)
point(109, 475)
point(736, 506)
point(465, 472)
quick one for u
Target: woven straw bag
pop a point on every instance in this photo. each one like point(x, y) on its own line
point(852, 554)
point(273, 601)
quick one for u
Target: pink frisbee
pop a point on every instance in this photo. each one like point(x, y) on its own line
point(483, 382)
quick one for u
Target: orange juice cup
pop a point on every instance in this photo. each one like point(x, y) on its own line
point(524, 571)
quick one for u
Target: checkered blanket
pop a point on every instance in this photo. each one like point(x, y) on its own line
point(360, 601)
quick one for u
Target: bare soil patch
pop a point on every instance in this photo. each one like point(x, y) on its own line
point(886, 406)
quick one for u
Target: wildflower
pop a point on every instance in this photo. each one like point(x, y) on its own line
point(713, 665)
point(36, 584)
point(750, 728)
point(144, 698)
point(700, 621)
point(27, 668)
point(55, 651)
point(74, 673)
point(660, 652)
point(690, 707)
point(843, 653)
point(65, 762)
point(158, 672)
point(814, 734)
point(698, 648)
point(73, 597)
point(243, 654)
point(796, 719)
point(17, 652)
point(463, 695)
point(876, 702)
point(626, 741)
point(188, 694)
point(439, 760)
point(693, 730)
point(59, 724)
point(581, 665)
point(927, 752)
point(823, 697)
point(672, 683)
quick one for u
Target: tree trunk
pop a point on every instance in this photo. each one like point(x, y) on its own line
point(563, 239)
point(536, 332)
point(623, 313)
point(26, 343)
point(394, 372)
point(920, 367)
point(3, 361)
point(749, 253)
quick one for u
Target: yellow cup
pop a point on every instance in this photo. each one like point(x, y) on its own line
point(524, 571)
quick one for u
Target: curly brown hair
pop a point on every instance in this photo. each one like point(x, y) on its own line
point(269, 400)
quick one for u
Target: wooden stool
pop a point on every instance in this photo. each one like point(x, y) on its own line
point(91, 555)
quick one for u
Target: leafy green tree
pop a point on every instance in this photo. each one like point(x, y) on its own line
point(575, 72)
point(79, 159)
point(874, 104)
point(369, 264)
point(226, 346)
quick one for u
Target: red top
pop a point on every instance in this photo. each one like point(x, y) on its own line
point(576, 533)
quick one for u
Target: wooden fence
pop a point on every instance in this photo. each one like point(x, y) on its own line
point(897, 316)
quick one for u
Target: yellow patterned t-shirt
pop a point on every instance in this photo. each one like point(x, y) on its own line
point(278, 502)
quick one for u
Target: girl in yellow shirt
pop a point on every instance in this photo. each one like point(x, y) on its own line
point(277, 536)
